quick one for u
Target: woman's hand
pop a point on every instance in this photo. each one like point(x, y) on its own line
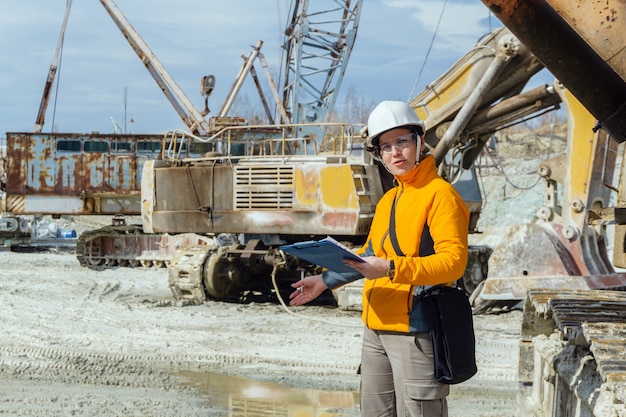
point(307, 289)
point(372, 268)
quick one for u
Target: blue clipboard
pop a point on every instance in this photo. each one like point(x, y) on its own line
point(327, 253)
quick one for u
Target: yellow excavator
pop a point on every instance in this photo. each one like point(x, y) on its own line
point(571, 358)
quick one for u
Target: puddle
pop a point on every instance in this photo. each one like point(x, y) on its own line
point(246, 397)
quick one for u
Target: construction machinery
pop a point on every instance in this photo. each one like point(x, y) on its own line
point(26, 232)
point(266, 185)
point(482, 93)
point(232, 190)
point(579, 184)
point(231, 193)
point(239, 190)
point(572, 346)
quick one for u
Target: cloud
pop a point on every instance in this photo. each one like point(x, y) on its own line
point(458, 25)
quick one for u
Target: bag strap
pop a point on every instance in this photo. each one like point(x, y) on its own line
point(427, 246)
point(392, 229)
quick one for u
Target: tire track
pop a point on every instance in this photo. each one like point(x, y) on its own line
point(92, 367)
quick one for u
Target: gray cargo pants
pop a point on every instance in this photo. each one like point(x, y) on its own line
point(397, 377)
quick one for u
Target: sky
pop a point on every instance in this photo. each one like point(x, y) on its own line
point(101, 80)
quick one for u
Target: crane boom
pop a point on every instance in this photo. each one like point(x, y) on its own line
point(41, 114)
point(192, 118)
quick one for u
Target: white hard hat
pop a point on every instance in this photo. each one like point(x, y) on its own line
point(389, 115)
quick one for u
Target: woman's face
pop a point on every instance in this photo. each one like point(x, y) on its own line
point(398, 150)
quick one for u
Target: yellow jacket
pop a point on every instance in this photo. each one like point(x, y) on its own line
point(423, 200)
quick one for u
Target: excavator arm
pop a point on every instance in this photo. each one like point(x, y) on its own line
point(479, 95)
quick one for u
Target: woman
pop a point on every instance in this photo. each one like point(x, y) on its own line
point(418, 238)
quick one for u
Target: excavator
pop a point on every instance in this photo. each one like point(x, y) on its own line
point(571, 356)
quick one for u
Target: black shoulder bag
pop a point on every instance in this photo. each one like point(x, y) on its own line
point(450, 315)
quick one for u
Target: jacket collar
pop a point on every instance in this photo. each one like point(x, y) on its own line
point(421, 174)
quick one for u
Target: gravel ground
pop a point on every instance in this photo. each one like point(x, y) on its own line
point(85, 343)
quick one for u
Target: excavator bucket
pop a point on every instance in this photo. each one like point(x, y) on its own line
point(533, 257)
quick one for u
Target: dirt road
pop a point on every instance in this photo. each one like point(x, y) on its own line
point(85, 343)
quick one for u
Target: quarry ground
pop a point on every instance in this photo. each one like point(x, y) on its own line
point(80, 342)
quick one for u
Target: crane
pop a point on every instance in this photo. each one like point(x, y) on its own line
point(318, 43)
